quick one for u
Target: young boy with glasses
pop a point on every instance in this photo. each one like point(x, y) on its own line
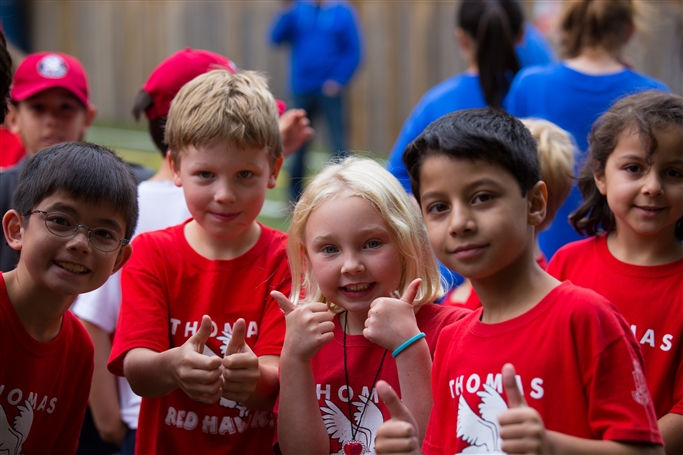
point(73, 212)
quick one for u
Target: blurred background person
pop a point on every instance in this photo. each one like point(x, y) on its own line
point(324, 36)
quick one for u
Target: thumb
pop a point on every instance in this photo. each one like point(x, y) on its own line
point(237, 339)
point(200, 336)
point(396, 408)
point(411, 291)
point(515, 397)
point(286, 305)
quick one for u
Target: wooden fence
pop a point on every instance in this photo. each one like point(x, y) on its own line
point(408, 47)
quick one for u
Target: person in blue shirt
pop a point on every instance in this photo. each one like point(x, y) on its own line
point(574, 92)
point(324, 36)
point(495, 42)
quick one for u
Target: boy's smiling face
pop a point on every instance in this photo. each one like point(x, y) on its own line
point(225, 187)
point(477, 219)
point(66, 266)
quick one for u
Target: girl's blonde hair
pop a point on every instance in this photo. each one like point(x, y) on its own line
point(364, 178)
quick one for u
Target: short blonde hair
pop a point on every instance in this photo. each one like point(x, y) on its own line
point(365, 178)
point(556, 154)
point(221, 106)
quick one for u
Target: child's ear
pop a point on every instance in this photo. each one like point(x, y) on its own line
point(274, 172)
point(599, 178)
point(174, 170)
point(90, 115)
point(538, 199)
point(122, 258)
point(12, 226)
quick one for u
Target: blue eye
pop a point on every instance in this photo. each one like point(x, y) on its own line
point(329, 249)
point(373, 244)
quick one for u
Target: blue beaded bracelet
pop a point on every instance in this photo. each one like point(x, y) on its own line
point(412, 340)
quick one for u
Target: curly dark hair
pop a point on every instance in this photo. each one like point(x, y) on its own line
point(646, 113)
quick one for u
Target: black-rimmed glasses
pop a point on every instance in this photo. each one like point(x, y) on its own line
point(63, 225)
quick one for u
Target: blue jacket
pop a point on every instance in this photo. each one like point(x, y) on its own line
point(325, 43)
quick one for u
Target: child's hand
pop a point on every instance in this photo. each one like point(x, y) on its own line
point(240, 366)
point(399, 433)
point(521, 427)
point(392, 321)
point(309, 327)
point(295, 129)
point(198, 375)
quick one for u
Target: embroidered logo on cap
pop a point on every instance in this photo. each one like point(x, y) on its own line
point(52, 66)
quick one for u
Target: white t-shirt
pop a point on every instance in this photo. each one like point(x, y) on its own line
point(162, 204)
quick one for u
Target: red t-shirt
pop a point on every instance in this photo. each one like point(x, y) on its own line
point(44, 387)
point(167, 287)
point(363, 361)
point(651, 300)
point(577, 364)
point(11, 148)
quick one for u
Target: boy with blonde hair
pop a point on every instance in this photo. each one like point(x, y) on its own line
point(199, 336)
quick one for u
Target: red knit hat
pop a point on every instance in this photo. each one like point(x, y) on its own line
point(177, 70)
point(45, 70)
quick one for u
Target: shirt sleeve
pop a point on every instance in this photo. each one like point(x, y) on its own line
point(349, 49)
point(143, 319)
point(619, 404)
point(282, 26)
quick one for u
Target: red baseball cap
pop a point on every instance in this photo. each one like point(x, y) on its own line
point(45, 70)
point(177, 70)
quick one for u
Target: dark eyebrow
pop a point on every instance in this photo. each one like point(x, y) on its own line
point(69, 210)
point(631, 158)
point(482, 181)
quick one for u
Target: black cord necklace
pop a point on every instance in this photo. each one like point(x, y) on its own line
point(353, 446)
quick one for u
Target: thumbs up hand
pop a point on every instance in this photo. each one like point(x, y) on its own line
point(521, 427)
point(391, 321)
point(399, 433)
point(309, 327)
point(199, 376)
point(241, 371)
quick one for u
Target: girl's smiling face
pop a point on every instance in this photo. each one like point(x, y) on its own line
point(645, 195)
point(352, 253)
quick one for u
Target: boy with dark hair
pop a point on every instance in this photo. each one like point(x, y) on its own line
point(476, 176)
point(73, 211)
point(199, 336)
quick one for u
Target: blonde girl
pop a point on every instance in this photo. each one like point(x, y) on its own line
point(364, 278)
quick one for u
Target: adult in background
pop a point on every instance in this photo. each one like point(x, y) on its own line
point(325, 52)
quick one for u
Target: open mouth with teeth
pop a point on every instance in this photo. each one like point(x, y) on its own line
point(357, 290)
point(71, 267)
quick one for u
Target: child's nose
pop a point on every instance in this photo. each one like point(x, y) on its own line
point(80, 241)
point(653, 184)
point(461, 221)
point(224, 193)
point(352, 264)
